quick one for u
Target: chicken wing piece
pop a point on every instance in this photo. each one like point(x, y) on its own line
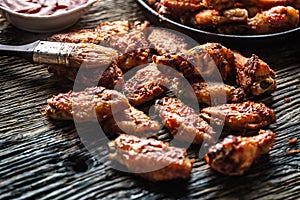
point(130, 121)
point(276, 19)
point(107, 77)
point(92, 104)
point(145, 85)
point(128, 39)
point(235, 154)
point(187, 5)
point(254, 75)
point(213, 18)
point(183, 121)
point(99, 35)
point(266, 4)
point(133, 47)
point(241, 116)
point(164, 41)
point(219, 4)
point(151, 159)
point(207, 60)
point(208, 93)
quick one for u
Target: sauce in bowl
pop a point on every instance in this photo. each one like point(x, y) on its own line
point(41, 7)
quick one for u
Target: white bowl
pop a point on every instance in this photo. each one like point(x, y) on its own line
point(46, 23)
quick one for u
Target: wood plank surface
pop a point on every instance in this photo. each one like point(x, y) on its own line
point(45, 159)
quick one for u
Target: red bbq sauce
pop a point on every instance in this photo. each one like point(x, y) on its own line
point(41, 7)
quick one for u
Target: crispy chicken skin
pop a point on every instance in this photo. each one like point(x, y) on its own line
point(151, 159)
point(145, 85)
point(201, 61)
point(92, 104)
point(214, 18)
point(219, 4)
point(183, 121)
point(164, 41)
point(99, 35)
point(188, 5)
point(254, 75)
point(130, 121)
point(241, 116)
point(125, 37)
point(208, 93)
point(235, 154)
point(276, 19)
point(266, 4)
point(91, 77)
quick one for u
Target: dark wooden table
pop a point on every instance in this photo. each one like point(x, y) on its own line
point(44, 159)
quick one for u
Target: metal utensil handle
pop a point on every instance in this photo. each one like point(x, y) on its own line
point(53, 53)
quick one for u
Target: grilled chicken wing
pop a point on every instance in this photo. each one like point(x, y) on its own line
point(207, 60)
point(145, 85)
point(164, 41)
point(151, 159)
point(266, 4)
point(234, 155)
point(183, 121)
point(107, 77)
point(188, 5)
point(130, 121)
point(209, 93)
point(219, 4)
point(241, 116)
point(129, 40)
point(254, 75)
point(213, 18)
point(92, 104)
point(276, 19)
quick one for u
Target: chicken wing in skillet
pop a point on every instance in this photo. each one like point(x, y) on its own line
point(219, 4)
point(183, 121)
point(212, 18)
point(235, 154)
point(266, 4)
point(276, 19)
point(151, 159)
point(92, 104)
point(242, 116)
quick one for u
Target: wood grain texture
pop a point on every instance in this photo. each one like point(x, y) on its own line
point(45, 159)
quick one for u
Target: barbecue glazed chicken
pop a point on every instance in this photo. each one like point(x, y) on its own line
point(92, 104)
point(127, 40)
point(266, 4)
point(254, 75)
point(219, 4)
point(209, 93)
point(151, 159)
point(201, 62)
point(215, 18)
point(241, 116)
point(130, 121)
point(183, 121)
point(232, 16)
point(146, 84)
point(235, 154)
point(276, 19)
point(209, 60)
